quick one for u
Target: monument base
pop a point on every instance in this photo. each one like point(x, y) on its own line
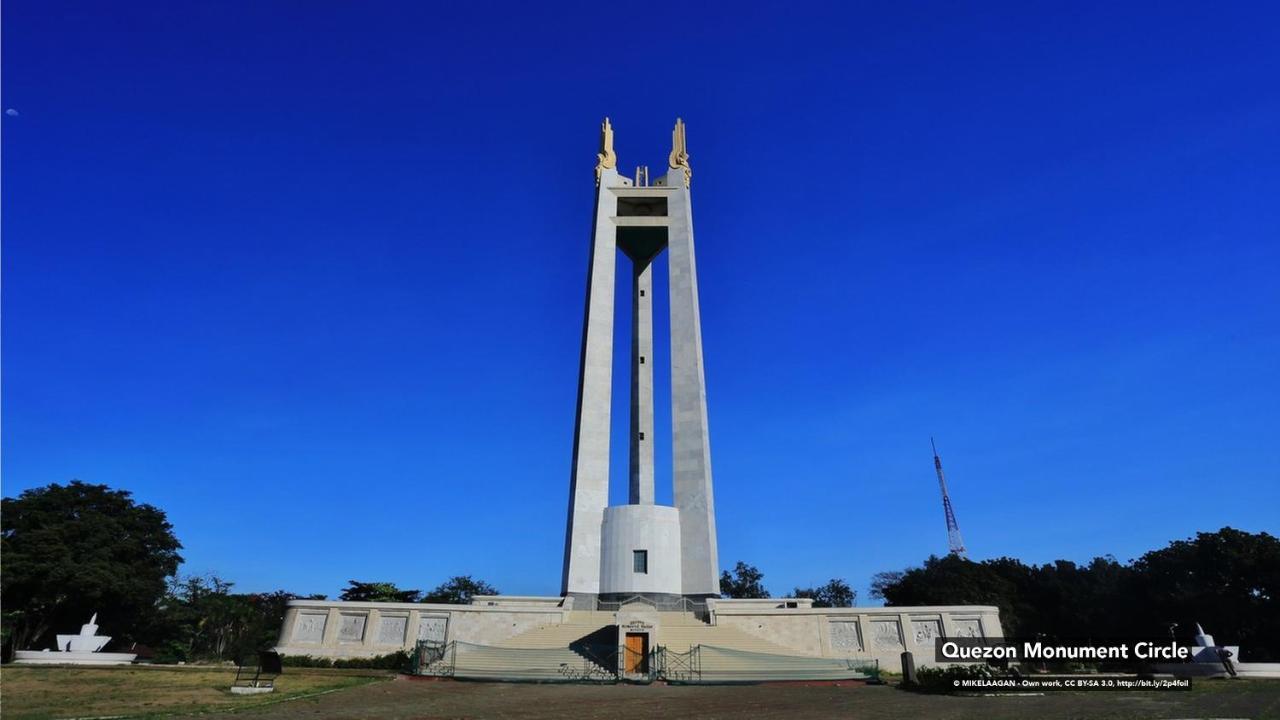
point(780, 627)
point(53, 657)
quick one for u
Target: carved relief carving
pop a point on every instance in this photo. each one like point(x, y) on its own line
point(886, 635)
point(968, 628)
point(846, 636)
point(925, 631)
point(391, 630)
point(309, 627)
point(351, 628)
point(432, 629)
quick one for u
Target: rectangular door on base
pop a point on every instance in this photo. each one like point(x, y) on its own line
point(637, 660)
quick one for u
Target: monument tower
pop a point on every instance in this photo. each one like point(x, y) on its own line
point(641, 548)
point(664, 555)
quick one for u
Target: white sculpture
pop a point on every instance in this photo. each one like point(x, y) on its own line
point(88, 641)
point(82, 649)
point(1207, 660)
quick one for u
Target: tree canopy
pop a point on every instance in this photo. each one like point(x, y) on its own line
point(73, 550)
point(378, 592)
point(746, 582)
point(459, 590)
point(1229, 581)
point(835, 594)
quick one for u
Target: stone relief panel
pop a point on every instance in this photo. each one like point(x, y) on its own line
point(351, 628)
point(925, 632)
point(886, 635)
point(432, 629)
point(391, 630)
point(968, 628)
point(846, 636)
point(309, 627)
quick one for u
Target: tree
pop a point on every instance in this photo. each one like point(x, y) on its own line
point(883, 581)
point(953, 580)
point(835, 593)
point(378, 592)
point(459, 590)
point(745, 582)
point(73, 550)
point(1228, 581)
point(201, 619)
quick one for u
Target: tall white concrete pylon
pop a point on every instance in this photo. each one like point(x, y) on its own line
point(641, 548)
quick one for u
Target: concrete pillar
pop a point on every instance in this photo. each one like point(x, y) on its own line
point(642, 384)
point(286, 631)
point(589, 475)
point(371, 623)
point(330, 638)
point(411, 630)
point(691, 447)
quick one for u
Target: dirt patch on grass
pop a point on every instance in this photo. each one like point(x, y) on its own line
point(51, 693)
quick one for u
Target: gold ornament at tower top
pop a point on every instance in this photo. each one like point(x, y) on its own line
point(679, 159)
point(606, 158)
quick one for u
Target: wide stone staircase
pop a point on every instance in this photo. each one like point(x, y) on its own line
point(488, 662)
point(687, 650)
point(541, 654)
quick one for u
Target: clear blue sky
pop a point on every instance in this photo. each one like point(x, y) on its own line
point(309, 276)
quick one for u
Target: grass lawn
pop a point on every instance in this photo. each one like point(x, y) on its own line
point(50, 693)
point(423, 700)
point(47, 693)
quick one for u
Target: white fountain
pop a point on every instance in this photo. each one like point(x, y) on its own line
point(79, 649)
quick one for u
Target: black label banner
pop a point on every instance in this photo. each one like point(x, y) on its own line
point(981, 650)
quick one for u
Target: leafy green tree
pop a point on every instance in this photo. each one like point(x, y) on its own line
point(201, 619)
point(953, 580)
point(378, 592)
point(72, 550)
point(746, 582)
point(835, 593)
point(1228, 581)
point(884, 581)
point(459, 590)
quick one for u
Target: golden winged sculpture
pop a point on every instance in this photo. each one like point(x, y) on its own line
point(679, 159)
point(606, 158)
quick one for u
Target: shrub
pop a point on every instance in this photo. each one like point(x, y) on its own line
point(933, 679)
point(398, 660)
point(305, 661)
